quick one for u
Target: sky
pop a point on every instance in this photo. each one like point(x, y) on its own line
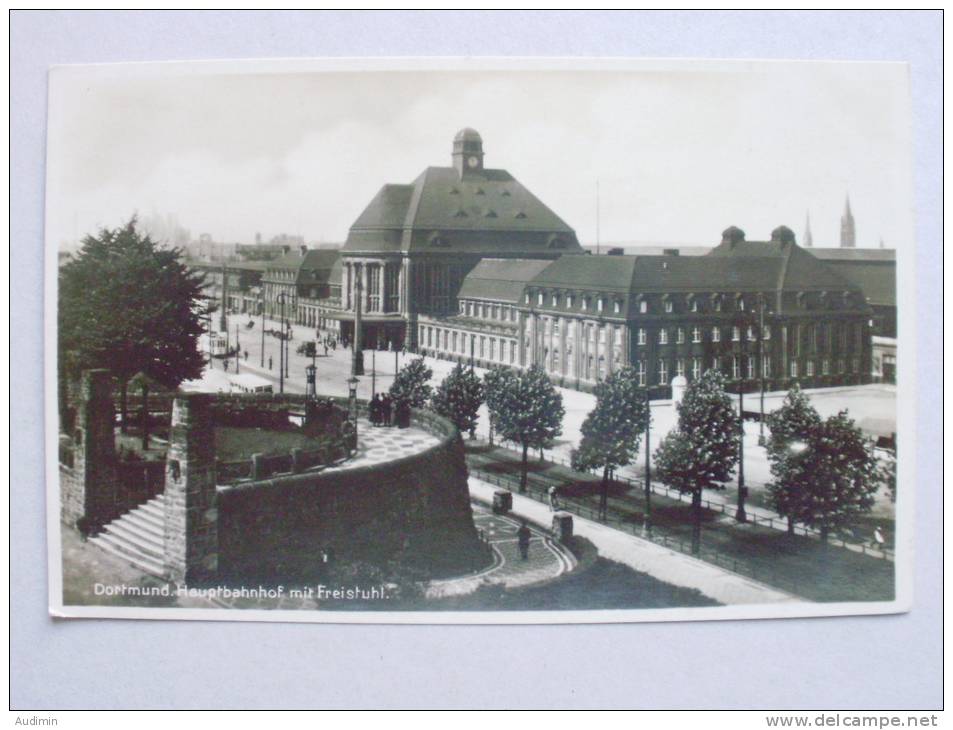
point(678, 151)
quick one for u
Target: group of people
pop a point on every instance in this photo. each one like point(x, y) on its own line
point(381, 409)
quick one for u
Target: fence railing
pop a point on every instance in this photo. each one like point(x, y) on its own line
point(261, 466)
point(539, 492)
point(773, 522)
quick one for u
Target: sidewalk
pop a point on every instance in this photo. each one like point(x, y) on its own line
point(646, 557)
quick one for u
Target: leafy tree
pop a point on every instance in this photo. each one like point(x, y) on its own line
point(129, 306)
point(528, 410)
point(494, 388)
point(832, 479)
point(701, 452)
point(791, 426)
point(411, 384)
point(458, 398)
point(612, 430)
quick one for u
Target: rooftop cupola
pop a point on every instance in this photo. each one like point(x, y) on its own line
point(782, 235)
point(467, 152)
point(732, 236)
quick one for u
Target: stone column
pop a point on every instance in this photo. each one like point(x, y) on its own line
point(191, 514)
point(89, 500)
point(365, 291)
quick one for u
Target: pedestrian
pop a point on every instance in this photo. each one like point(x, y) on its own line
point(879, 538)
point(522, 538)
point(553, 499)
point(325, 348)
point(386, 404)
point(269, 362)
point(246, 355)
point(225, 365)
point(375, 409)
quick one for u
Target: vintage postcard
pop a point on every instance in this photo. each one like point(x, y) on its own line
point(479, 341)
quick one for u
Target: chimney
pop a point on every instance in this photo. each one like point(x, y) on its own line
point(670, 252)
point(732, 235)
point(782, 235)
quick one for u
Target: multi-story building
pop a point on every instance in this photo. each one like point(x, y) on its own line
point(410, 250)
point(751, 309)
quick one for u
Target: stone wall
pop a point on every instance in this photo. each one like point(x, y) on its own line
point(88, 487)
point(415, 510)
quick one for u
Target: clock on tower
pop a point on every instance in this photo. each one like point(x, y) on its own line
point(467, 152)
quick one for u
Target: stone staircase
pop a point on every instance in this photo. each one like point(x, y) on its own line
point(137, 537)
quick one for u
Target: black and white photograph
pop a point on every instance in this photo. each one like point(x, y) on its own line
point(462, 341)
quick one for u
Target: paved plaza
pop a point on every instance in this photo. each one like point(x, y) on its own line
point(546, 559)
point(378, 444)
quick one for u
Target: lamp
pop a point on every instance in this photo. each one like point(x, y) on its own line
point(352, 398)
point(310, 372)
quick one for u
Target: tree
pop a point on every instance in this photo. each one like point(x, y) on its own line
point(701, 452)
point(832, 479)
point(459, 398)
point(528, 410)
point(494, 388)
point(791, 426)
point(129, 306)
point(612, 430)
point(411, 385)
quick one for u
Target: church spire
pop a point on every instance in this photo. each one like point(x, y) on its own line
point(808, 238)
point(848, 234)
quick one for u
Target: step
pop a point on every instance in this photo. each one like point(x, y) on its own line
point(146, 542)
point(155, 507)
point(120, 550)
point(144, 524)
point(129, 549)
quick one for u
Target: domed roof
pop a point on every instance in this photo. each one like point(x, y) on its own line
point(468, 134)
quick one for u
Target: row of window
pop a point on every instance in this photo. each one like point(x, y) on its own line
point(717, 302)
point(481, 347)
point(750, 333)
point(739, 368)
point(480, 310)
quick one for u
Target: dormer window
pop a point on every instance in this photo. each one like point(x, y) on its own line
point(643, 307)
point(599, 303)
point(569, 301)
point(585, 303)
point(539, 299)
point(694, 306)
point(505, 193)
point(617, 307)
point(489, 214)
point(461, 213)
point(520, 214)
point(669, 306)
point(526, 298)
point(454, 191)
point(555, 301)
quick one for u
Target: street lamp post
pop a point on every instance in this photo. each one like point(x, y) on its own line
point(238, 350)
point(740, 513)
point(761, 364)
point(357, 347)
point(648, 465)
point(352, 400)
point(262, 306)
point(281, 347)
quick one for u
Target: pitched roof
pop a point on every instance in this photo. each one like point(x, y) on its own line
point(486, 211)
point(855, 254)
point(795, 267)
point(500, 280)
point(316, 266)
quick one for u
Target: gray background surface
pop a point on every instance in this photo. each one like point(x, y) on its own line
point(851, 663)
